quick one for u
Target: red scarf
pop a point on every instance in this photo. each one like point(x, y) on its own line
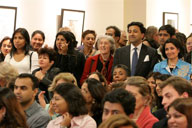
point(104, 69)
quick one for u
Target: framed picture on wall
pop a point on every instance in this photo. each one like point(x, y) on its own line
point(74, 19)
point(171, 18)
point(7, 21)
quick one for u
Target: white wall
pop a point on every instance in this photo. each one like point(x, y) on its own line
point(43, 14)
point(155, 9)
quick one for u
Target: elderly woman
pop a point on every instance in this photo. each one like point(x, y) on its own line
point(173, 64)
point(180, 113)
point(139, 87)
point(68, 59)
point(103, 61)
point(5, 46)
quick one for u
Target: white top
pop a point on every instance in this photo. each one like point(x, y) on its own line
point(23, 66)
point(132, 51)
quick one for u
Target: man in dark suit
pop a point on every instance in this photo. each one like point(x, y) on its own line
point(139, 58)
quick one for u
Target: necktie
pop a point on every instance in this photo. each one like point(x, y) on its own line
point(134, 62)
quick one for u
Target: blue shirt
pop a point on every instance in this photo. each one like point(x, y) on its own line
point(182, 69)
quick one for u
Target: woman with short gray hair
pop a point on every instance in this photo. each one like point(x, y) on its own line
point(103, 61)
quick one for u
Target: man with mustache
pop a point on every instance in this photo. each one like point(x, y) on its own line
point(25, 89)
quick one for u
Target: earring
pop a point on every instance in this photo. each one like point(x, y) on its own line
point(93, 101)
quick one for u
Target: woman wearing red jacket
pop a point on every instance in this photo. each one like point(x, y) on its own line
point(102, 62)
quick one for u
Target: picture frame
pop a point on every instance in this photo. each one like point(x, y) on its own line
point(74, 19)
point(8, 16)
point(171, 18)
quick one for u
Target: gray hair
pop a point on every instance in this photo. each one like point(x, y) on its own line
point(110, 39)
point(151, 30)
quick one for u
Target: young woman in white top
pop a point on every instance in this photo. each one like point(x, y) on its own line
point(20, 57)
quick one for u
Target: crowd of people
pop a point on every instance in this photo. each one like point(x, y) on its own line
point(110, 81)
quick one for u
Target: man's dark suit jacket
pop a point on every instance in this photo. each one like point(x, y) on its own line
point(144, 65)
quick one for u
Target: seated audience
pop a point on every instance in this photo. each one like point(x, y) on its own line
point(11, 113)
point(93, 92)
point(25, 89)
point(139, 87)
point(68, 59)
point(118, 121)
point(8, 76)
point(46, 72)
point(5, 47)
point(180, 113)
point(88, 40)
point(70, 104)
point(173, 88)
point(103, 61)
point(37, 40)
point(173, 64)
point(118, 101)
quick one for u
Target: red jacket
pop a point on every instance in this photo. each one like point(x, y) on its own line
point(91, 65)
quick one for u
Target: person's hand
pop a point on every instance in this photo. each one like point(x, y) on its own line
point(66, 119)
point(64, 48)
point(39, 75)
point(41, 99)
point(51, 109)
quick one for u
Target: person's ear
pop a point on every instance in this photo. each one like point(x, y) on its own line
point(35, 92)
point(117, 39)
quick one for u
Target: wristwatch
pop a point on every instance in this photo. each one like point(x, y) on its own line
point(63, 127)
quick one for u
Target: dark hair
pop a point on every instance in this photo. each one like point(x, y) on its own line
point(117, 31)
point(184, 106)
point(102, 79)
point(153, 74)
point(123, 97)
point(124, 67)
point(180, 84)
point(70, 38)
point(14, 116)
point(177, 44)
point(4, 39)
point(74, 98)
point(38, 32)
point(48, 51)
point(34, 79)
point(139, 24)
point(181, 37)
point(162, 77)
point(88, 32)
point(98, 92)
point(170, 29)
point(25, 35)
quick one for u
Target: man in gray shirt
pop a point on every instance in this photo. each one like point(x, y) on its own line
point(25, 89)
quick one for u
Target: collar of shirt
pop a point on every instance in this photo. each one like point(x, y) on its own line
point(32, 109)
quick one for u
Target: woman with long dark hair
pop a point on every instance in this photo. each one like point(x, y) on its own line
point(11, 113)
point(68, 59)
point(21, 57)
